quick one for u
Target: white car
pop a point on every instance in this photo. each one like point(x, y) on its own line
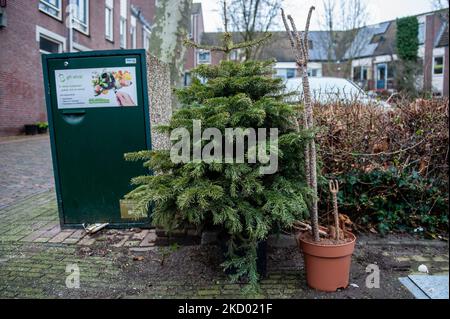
point(325, 90)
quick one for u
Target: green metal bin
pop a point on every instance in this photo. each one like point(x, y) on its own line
point(97, 107)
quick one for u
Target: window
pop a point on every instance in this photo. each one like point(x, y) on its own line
point(313, 72)
point(123, 24)
point(234, 55)
point(364, 74)
point(438, 65)
point(49, 42)
point(51, 7)
point(47, 45)
point(360, 73)
point(133, 32)
point(204, 57)
point(187, 79)
point(290, 73)
point(146, 40)
point(109, 20)
point(421, 33)
point(310, 45)
point(356, 73)
point(390, 70)
point(81, 15)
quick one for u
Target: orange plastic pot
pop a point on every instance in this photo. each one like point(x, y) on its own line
point(327, 266)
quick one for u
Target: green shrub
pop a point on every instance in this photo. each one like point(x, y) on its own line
point(42, 125)
point(391, 200)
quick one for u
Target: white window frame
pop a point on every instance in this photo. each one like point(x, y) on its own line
point(51, 36)
point(146, 33)
point(443, 65)
point(59, 16)
point(78, 24)
point(80, 48)
point(133, 32)
point(123, 24)
point(198, 57)
point(109, 5)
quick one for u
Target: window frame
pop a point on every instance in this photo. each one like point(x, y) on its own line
point(133, 32)
point(60, 44)
point(77, 23)
point(146, 33)
point(44, 2)
point(293, 73)
point(109, 6)
point(123, 21)
point(442, 65)
point(198, 57)
point(51, 36)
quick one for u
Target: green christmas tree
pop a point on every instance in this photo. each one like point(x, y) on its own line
point(240, 201)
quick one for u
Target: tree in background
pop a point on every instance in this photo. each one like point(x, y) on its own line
point(407, 43)
point(343, 19)
point(171, 25)
point(250, 18)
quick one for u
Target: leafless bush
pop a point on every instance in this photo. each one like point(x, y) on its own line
point(411, 136)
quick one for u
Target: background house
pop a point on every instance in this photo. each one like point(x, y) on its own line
point(373, 54)
point(369, 60)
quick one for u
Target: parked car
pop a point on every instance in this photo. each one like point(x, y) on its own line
point(327, 90)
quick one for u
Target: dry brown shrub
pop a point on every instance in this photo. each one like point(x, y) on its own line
point(410, 136)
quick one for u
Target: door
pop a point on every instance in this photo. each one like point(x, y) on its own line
point(381, 76)
point(98, 114)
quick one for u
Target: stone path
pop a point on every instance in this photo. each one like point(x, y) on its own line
point(37, 259)
point(25, 168)
point(35, 219)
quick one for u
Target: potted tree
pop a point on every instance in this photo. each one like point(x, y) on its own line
point(327, 259)
point(244, 202)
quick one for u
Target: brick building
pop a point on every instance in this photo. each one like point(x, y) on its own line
point(195, 34)
point(31, 28)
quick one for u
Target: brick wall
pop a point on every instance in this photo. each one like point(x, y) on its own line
point(446, 73)
point(197, 29)
point(21, 82)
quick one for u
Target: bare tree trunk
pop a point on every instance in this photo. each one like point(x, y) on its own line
point(300, 49)
point(172, 21)
point(312, 158)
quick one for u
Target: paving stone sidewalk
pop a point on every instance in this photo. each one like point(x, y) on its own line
point(37, 260)
point(25, 168)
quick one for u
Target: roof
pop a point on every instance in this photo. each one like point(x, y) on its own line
point(442, 37)
point(363, 44)
point(279, 47)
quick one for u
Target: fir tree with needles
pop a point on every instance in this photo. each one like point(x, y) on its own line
point(236, 198)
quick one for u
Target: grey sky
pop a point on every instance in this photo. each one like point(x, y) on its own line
point(380, 10)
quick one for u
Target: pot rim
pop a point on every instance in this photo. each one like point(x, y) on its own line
point(319, 245)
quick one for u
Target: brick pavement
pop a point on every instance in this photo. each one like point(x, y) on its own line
point(25, 168)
